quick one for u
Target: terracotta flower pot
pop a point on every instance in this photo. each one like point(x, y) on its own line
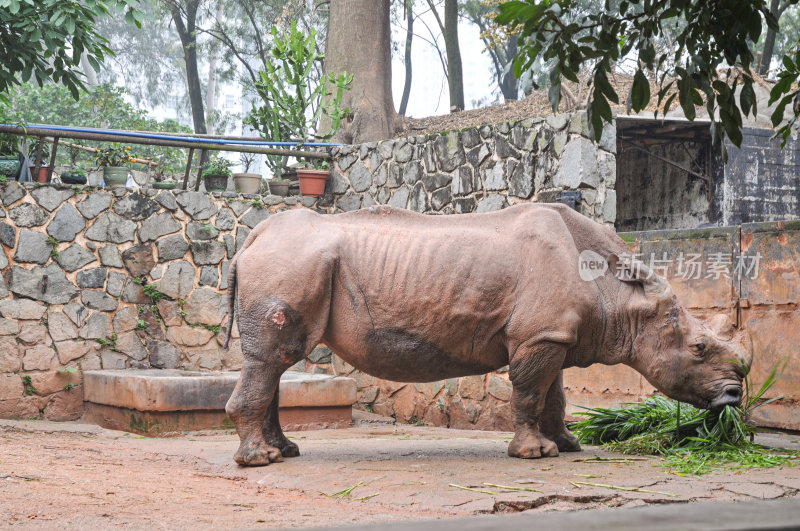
point(43, 175)
point(312, 182)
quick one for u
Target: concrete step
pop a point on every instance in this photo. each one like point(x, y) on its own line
point(157, 402)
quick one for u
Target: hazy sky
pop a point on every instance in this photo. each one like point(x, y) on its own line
point(429, 93)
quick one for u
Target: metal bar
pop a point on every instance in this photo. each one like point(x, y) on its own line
point(117, 133)
point(38, 163)
point(188, 168)
point(52, 160)
point(667, 161)
point(200, 159)
point(95, 150)
point(168, 143)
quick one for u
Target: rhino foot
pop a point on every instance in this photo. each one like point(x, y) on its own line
point(289, 449)
point(257, 453)
point(567, 442)
point(530, 445)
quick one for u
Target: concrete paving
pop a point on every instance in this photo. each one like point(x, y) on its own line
point(763, 515)
point(382, 473)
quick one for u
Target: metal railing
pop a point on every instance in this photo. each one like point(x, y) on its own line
point(205, 143)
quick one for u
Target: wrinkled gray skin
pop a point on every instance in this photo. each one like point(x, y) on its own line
point(414, 298)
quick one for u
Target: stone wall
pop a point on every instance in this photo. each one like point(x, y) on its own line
point(480, 170)
point(98, 278)
point(84, 268)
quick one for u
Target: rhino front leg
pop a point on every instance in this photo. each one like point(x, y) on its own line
point(247, 407)
point(273, 433)
point(532, 371)
point(552, 422)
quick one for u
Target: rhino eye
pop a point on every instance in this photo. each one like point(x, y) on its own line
point(700, 348)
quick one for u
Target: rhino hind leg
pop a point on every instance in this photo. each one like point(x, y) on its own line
point(532, 371)
point(552, 422)
point(272, 432)
point(273, 337)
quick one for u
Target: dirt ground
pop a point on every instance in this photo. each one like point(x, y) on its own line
point(81, 476)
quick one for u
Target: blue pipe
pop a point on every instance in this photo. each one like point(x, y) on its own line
point(217, 141)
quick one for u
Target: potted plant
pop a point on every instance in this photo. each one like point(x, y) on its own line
point(44, 170)
point(313, 177)
point(279, 187)
point(111, 159)
point(74, 176)
point(10, 157)
point(164, 185)
point(295, 103)
point(216, 173)
point(245, 182)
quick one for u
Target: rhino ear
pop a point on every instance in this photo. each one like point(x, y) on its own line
point(628, 269)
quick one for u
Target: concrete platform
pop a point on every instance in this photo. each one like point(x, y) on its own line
point(158, 402)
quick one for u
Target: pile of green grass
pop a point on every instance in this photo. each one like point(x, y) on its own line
point(691, 440)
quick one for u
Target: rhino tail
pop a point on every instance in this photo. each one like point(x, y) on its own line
point(231, 302)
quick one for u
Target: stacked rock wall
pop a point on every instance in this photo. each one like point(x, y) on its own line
point(480, 170)
point(96, 278)
point(113, 279)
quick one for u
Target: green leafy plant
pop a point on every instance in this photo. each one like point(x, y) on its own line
point(33, 148)
point(29, 388)
point(3, 180)
point(52, 241)
point(114, 155)
point(213, 328)
point(108, 342)
point(141, 324)
point(708, 56)
point(217, 166)
point(692, 440)
point(152, 291)
point(70, 386)
point(293, 101)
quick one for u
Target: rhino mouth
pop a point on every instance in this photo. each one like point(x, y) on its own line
point(731, 395)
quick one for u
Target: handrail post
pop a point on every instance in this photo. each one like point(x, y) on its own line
point(199, 169)
point(38, 163)
point(52, 160)
point(188, 169)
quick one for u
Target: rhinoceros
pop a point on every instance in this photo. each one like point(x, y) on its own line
point(417, 298)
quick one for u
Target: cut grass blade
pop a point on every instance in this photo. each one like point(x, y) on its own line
point(691, 440)
point(628, 489)
point(471, 489)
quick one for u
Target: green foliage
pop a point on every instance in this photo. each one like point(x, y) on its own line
point(141, 324)
point(29, 388)
point(113, 155)
point(102, 106)
point(151, 290)
point(70, 386)
point(692, 441)
point(68, 370)
point(706, 37)
point(45, 39)
point(108, 342)
point(217, 166)
point(52, 241)
point(293, 103)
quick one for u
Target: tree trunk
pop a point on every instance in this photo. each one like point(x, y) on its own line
point(187, 33)
point(508, 81)
point(409, 38)
point(455, 77)
point(769, 41)
point(211, 86)
point(359, 43)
